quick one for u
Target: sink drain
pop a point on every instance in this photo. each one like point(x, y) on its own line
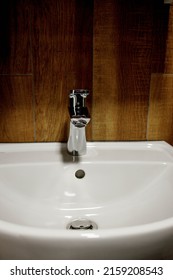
point(82, 224)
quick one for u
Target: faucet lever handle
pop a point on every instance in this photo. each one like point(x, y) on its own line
point(77, 106)
point(77, 97)
point(81, 92)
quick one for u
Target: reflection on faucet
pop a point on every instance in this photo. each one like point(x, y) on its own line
point(79, 118)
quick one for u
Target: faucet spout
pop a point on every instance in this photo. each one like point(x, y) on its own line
point(79, 118)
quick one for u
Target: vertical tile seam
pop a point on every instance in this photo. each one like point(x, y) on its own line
point(148, 113)
point(32, 70)
point(93, 56)
point(149, 93)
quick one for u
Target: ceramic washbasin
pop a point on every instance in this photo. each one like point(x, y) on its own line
point(125, 189)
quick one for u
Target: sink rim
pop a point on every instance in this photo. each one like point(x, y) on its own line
point(54, 146)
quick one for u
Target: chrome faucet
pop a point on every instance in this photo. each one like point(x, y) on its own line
point(79, 118)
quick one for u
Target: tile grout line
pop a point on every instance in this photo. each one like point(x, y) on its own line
point(148, 113)
point(32, 69)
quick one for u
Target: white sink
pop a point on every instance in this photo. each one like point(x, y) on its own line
point(126, 191)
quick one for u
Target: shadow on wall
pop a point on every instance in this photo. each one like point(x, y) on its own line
point(5, 32)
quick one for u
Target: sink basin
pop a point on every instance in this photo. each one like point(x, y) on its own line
point(116, 202)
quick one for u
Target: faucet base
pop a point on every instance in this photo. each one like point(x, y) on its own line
point(74, 153)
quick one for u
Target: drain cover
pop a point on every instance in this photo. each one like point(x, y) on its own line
point(82, 224)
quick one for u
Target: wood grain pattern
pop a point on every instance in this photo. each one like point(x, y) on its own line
point(105, 67)
point(16, 109)
point(15, 48)
point(161, 17)
point(169, 44)
point(122, 51)
point(122, 59)
point(160, 121)
point(62, 60)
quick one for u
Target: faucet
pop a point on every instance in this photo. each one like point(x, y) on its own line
point(79, 118)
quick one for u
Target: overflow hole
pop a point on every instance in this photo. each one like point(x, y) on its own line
point(80, 174)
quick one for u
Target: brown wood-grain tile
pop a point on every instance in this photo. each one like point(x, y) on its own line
point(15, 48)
point(16, 109)
point(62, 60)
point(169, 44)
point(161, 17)
point(121, 72)
point(110, 47)
point(160, 119)
point(105, 67)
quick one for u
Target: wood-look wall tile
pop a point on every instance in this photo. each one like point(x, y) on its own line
point(16, 109)
point(169, 44)
point(105, 67)
point(62, 60)
point(15, 49)
point(121, 71)
point(54, 41)
point(160, 120)
point(159, 36)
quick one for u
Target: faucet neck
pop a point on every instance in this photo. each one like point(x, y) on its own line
point(79, 117)
point(76, 144)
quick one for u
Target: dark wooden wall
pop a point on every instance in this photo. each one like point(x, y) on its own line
point(121, 50)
